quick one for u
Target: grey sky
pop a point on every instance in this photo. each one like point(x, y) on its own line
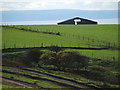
point(59, 4)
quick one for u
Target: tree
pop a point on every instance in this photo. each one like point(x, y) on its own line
point(72, 60)
point(32, 56)
point(64, 60)
point(48, 58)
point(55, 48)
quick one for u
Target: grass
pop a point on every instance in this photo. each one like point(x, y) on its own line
point(29, 39)
point(14, 38)
point(44, 77)
point(99, 54)
point(74, 77)
point(66, 75)
point(9, 85)
point(100, 32)
point(40, 83)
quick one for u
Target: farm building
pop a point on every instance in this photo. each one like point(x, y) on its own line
point(77, 20)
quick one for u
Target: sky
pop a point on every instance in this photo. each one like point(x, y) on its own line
point(6, 5)
point(96, 5)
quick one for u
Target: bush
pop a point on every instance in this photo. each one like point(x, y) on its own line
point(11, 77)
point(32, 56)
point(107, 63)
point(55, 48)
point(97, 68)
point(12, 60)
point(64, 60)
point(72, 60)
point(96, 73)
point(48, 58)
point(102, 74)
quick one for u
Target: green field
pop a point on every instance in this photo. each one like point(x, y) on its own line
point(15, 38)
point(99, 32)
point(108, 33)
point(102, 63)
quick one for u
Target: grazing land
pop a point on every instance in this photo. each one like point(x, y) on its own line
point(36, 55)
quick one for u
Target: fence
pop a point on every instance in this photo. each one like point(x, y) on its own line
point(92, 56)
point(90, 41)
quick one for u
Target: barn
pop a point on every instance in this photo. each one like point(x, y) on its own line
point(77, 21)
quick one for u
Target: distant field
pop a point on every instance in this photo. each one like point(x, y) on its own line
point(107, 33)
point(71, 36)
point(30, 39)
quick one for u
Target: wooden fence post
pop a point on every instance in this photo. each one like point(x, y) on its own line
point(61, 45)
point(4, 45)
point(41, 44)
point(14, 45)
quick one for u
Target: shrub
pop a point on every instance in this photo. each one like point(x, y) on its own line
point(11, 77)
point(97, 68)
point(32, 56)
point(55, 48)
point(48, 58)
point(107, 63)
point(96, 73)
point(102, 74)
point(12, 60)
point(72, 60)
point(64, 60)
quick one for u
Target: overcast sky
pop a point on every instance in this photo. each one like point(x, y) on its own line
point(59, 4)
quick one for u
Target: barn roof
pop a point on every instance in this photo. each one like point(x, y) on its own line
point(78, 18)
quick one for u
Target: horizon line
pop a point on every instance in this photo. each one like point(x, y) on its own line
point(64, 9)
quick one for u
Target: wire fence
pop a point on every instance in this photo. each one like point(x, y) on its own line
point(92, 56)
point(90, 41)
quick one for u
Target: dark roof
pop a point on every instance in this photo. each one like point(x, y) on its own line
point(77, 18)
point(83, 21)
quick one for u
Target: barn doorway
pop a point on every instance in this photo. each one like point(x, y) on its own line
point(76, 21)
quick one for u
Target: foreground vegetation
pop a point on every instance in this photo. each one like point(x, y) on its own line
point(61, 64)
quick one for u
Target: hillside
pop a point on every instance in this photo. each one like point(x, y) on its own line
point(60, 56)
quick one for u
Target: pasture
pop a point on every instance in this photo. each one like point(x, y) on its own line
point(102, 64)
point(70, 36)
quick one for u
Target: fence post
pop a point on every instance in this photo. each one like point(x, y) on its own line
point(24, 46)
point(88, 45)
point(114, 45)
point(4, 45)
point(61, 45)
point(109, 44)
point(34, 44)
point(14, 45)
point(41, 44)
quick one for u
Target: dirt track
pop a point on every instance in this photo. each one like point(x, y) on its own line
point(56, 78)
point(20, 83)
point(42, 79)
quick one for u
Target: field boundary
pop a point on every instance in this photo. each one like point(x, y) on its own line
point(101, 43)
point(11, 49)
